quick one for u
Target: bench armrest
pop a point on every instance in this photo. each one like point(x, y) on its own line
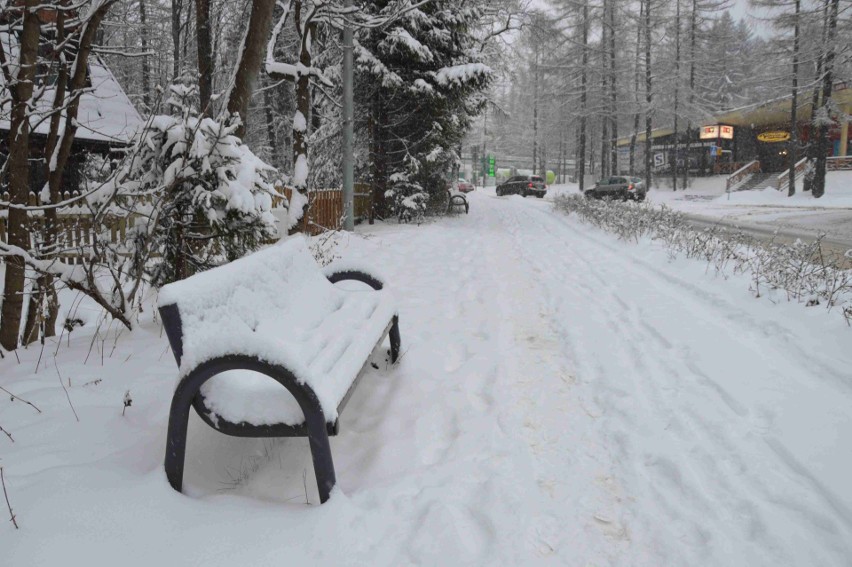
point(341, 272)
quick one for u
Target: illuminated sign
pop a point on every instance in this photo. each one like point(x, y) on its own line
point(709, 132)
point(774, 136)
point(718, 131)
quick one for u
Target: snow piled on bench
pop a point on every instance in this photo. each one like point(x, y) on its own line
point(276, 305)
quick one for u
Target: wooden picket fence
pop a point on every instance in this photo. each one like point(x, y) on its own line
point(76, 229)
point(325, 208)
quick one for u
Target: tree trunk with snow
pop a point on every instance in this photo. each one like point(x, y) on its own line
point(20, 88)
point(251, 58)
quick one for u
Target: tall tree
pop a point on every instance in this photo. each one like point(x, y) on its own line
point(19, 77)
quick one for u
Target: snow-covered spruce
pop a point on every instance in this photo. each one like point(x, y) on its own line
point(203, 197)
point(800, 269)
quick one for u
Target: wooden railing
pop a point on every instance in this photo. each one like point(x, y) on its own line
point(782, 182)
point(838, 163)
point(727, 167)
point(739, 175)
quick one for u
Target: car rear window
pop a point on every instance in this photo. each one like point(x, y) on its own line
point(536, 178)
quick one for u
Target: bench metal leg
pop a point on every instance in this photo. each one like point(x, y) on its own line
point(176, 437)
point(191, 384)
point(321, 453)
point(395, 339)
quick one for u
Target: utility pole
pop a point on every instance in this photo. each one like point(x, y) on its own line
point(348, 119)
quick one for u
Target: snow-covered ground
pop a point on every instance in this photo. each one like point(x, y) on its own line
point(563, 398)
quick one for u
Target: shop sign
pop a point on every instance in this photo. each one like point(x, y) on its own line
point(709, 132)
point(774, 136)
point(726, 132)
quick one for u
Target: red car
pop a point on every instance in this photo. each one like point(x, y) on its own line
point(463, 186)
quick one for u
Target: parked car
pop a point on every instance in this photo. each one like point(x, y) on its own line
point(463, 186)
point(618, 187)
point(523, 185)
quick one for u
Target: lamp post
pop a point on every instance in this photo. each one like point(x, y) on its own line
point(348, 119)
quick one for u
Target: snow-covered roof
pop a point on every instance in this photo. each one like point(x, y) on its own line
point(105, 113)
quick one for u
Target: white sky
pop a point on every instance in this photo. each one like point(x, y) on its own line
point(740, 9)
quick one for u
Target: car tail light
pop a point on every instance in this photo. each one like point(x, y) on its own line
point(630, 187)
point(530, 185)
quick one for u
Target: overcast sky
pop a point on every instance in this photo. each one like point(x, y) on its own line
point(740, 9)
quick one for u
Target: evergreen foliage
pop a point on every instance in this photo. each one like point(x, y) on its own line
point(420, 81)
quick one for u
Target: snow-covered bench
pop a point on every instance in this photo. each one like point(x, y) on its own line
point(457, 201)
point(275, 318)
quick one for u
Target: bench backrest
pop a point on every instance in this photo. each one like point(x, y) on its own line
point(221, 309)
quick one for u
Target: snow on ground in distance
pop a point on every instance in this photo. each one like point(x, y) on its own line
point(562, 398)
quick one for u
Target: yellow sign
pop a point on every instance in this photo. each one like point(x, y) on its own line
point(774, 136)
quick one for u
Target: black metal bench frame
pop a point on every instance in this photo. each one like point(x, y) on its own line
point(457, 200)
point(315, 427)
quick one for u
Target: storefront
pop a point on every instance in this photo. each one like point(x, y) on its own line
point(734, 138)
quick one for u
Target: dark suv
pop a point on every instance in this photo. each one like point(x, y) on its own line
point(523, 185)
point(619, 187)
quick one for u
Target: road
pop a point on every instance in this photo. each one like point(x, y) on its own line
point(834, 225)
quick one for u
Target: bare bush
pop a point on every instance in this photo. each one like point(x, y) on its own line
point(802, 270)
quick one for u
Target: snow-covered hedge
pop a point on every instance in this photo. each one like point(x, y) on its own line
point(804, 271)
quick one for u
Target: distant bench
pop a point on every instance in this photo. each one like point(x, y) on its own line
point(274, 314)
point(457, 201)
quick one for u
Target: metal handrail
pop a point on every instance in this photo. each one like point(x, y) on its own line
point(783, 178)
point(739, 174)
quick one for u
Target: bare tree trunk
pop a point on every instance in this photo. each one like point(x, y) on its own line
point(676, 93)
point(205, 54)
point(649, 95)
point(271, 137)
point(535, 112)
point(613, 91)
point(604, 105)
point(581, 151)
point(692, 29)
point(824, 116)
point(177, 8)
point(794, 128)
point(248, 67)
point(636, 93)
point(146, 67)
point(44, 285)
point(818, 81)
point(18, 167)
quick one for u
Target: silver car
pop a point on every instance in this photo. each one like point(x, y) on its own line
point(621, 187)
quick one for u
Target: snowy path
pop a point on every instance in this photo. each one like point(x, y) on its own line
point(563, 398)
